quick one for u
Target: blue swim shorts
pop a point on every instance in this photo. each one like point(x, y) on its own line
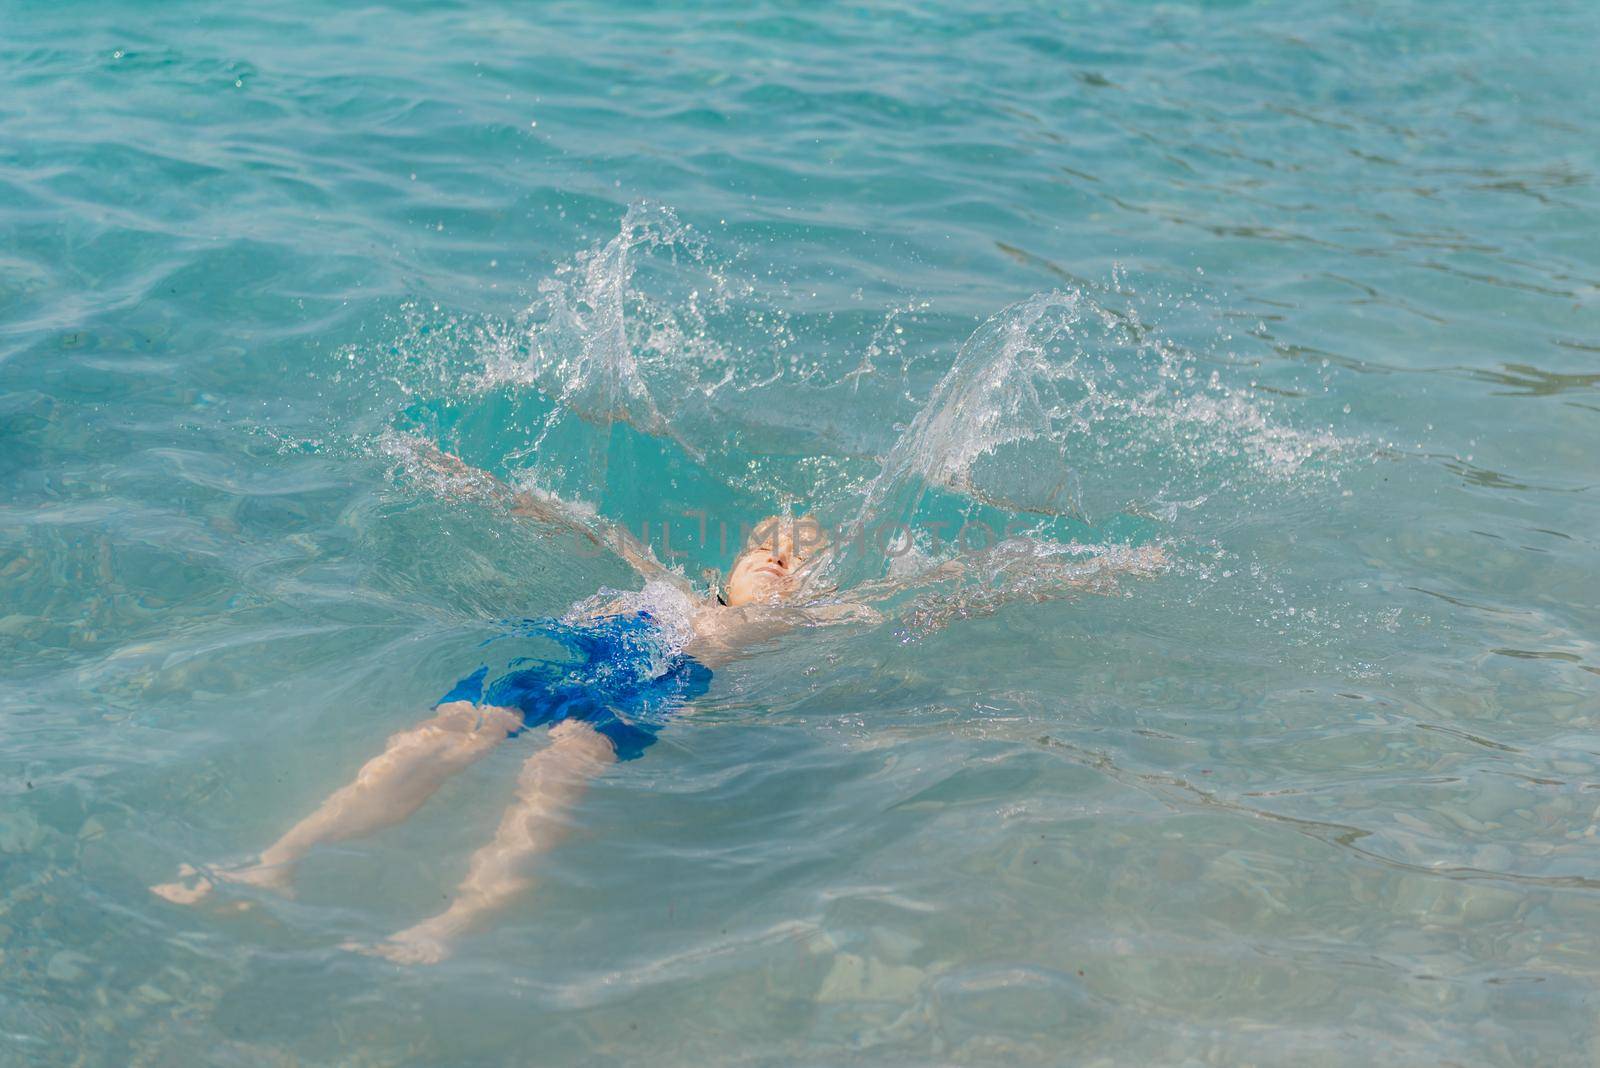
point(622, 679)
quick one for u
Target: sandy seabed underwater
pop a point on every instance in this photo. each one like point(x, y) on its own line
point(1307, 294)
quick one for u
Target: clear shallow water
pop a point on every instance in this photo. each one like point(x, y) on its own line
point(1325, 792)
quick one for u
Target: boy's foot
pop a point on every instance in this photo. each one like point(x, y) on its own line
point(415, 945)
point(193, 885)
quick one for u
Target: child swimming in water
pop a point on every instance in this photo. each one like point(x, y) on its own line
point(638, 660)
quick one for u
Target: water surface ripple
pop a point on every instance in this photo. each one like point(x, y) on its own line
point(1309, 295)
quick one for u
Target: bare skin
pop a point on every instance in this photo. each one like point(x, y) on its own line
point(387, 789)
point(551, 782)
point(762, 597)
point(395, 783)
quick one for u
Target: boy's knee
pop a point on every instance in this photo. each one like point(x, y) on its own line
point(580, 738)
point(454, 711)
point(497, 721)
point(464, 717)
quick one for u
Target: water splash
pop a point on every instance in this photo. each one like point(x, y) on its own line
point(654, 328)
point(645, 330)
point(580, 346)
point(667, 605)
point(1063, 413)
point(1063, 406)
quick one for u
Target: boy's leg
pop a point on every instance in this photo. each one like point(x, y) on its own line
point(387, 789)
point(551, 781)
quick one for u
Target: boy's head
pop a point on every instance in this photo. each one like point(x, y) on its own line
point(776, 551)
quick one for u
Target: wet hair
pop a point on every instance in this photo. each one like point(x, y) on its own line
point(713, 578)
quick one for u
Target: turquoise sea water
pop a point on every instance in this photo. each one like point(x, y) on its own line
point(1307, 294)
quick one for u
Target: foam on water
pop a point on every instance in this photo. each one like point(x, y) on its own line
point(666, 603)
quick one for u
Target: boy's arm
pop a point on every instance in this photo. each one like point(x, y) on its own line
point(598, 531)
point(843, 612)
point(1075, 572)
point(463, 480)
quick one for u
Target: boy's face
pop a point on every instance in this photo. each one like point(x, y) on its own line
point(764, 572)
